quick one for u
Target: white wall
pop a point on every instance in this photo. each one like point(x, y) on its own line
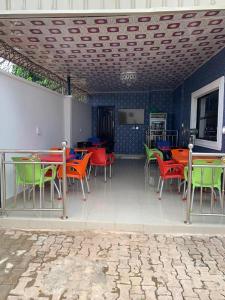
point(81, 124)
point(68, 119)
point(24, 106)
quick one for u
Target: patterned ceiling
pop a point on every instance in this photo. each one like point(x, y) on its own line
point(163, 49)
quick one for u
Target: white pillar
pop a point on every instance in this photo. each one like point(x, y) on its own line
point(68, 119)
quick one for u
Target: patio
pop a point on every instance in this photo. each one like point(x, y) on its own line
point(161, 66)
point(125, 202)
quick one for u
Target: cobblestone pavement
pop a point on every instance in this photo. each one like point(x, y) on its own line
point(105, 265)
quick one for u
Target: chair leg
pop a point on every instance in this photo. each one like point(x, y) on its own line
point(149, 171)
point(88, 188)
point(146, 168)
point(15, 197)
point(24, 195)
point(89, 172)
point(192, 198)
point(40, 195)
point(51, 192)
point(110, 171)
point(212, 199)
point(95, 171)
point(160, 194)
point(159, 182)
point(201, 196)
point(82, 187)
point(184, 191)
point(221, 200)
point(60, 188)
point(57, 189)
point(179, 184)
point(105, 173)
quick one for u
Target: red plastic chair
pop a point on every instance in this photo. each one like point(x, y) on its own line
point(168, 171)
point(100, 158)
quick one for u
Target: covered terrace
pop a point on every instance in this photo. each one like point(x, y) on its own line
point(122, 80)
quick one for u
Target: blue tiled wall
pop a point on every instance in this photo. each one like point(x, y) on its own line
point(209, 72)
point(177, 104)
point(127, 140)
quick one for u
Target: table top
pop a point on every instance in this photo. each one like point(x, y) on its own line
point(184, 160)
point(55, 157)
point(81, 150)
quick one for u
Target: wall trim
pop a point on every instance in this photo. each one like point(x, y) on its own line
point(121, 92)
point(129, 156)
point(214, 85)
point(103, 12)
point(132, 92)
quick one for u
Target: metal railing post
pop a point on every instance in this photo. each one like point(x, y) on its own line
point(1, 174)
point(188, 205)
point(3, 185)
point(64, 181)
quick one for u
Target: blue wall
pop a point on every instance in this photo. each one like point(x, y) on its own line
point(209, 72)
point(128, 140)
point(176, 104)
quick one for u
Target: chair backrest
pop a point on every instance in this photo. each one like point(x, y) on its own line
point(207, 176)
point(94, 139)
point(84, 162)
point(91, 149)
point(163, 144)
point(180, 153)
point(161, 164)
point(27, 173)
point(151, 152)
point(98, 156)
point(79, 167)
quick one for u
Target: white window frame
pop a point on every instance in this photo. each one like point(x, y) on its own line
point(215, 85)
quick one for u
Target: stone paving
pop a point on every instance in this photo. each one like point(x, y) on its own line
point(107, 265)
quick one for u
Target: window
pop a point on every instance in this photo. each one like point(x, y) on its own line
point(207, 114)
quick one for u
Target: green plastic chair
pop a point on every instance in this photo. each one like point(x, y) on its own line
point(33, 174)
point(151, 157)
point(205, 178)
point(150, 153)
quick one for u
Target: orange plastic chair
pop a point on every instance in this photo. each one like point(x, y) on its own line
point(180, 155)
point(76, 169)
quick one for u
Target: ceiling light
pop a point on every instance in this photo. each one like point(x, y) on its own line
point(128, 77)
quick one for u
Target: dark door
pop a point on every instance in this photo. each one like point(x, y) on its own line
point(106, 121)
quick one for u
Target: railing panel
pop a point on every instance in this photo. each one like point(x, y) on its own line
point(152, 136)
point(29, 181)
point(206, 185)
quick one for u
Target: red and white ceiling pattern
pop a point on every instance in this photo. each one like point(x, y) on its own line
point(162, 48)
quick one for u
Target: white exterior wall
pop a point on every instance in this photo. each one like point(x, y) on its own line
point(78, 121)
point(67, 119)
point(93, 6)
point(31, 117)
point(81, 122)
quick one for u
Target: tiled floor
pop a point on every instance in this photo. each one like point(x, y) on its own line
point(113, 266)
point(128, 199)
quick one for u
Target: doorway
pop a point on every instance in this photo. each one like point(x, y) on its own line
point(106, 126)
